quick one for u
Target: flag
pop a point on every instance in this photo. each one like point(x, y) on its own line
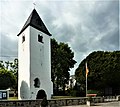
point(86, 70)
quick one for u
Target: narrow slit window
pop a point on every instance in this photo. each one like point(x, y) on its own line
point(23, 39)
point(40, 39)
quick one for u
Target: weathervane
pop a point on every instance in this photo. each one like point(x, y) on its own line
point(34, 4)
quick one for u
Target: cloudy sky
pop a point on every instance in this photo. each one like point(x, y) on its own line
point(86, 25)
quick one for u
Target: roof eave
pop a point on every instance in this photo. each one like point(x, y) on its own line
point(36, 28)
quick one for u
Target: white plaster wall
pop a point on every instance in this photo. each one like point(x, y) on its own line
point(24, 65)
point(47, 64)
point(34, 62)
point(36, 58)
point(40, 63)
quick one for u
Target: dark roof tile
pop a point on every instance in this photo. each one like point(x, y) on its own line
point(35, 21)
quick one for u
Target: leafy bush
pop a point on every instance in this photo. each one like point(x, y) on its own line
point(99, 93)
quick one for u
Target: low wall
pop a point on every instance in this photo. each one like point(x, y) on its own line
point(51, 103)
point(118, 97)
point(72, 101)
point(20, 103)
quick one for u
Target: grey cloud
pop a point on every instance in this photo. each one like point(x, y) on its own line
point(107, 21)
point(104, 14)
point(65, 33)
point(8, 48)
point(111, 41)
point(95, 28)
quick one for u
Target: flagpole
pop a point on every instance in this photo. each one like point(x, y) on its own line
point(86, 85)
point(86, 77)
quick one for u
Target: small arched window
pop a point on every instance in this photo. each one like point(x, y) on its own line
point(36, 82)
point(40, 38)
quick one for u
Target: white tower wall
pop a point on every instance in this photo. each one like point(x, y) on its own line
point(24, 65)
point(40, 62)
point(34, 62)
point(34, 70)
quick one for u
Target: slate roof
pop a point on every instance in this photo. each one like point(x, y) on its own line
point(35, 21)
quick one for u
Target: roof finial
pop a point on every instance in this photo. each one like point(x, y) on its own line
point(34, 4)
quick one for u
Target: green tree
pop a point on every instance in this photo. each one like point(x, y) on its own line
point(2, 65)
point(14, 67)
point(61, 60)
point(11, 68)
point(104, 71)
point(14, 70)
point(54, 62)
point(7, 79)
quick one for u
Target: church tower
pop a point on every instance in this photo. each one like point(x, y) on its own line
point(34, 56)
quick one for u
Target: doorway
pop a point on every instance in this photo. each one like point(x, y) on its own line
point(41, 94)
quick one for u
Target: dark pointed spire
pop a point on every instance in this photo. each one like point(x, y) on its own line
point(35, 21)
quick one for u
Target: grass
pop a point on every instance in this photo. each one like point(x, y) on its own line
point(61, 97)
point(54, 97)
point(13, 98)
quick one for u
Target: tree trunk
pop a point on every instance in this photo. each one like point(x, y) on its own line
point(57, 87)
point(63, 88)
point(54, 88)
